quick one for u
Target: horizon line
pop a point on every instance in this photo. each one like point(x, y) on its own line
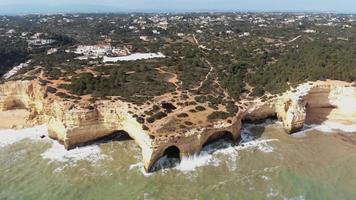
point(183, 11)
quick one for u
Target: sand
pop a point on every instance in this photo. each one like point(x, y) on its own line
point(14, 119)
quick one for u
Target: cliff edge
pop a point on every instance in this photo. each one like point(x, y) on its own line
point(73, 123)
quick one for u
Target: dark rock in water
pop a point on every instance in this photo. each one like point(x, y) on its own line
point(42, 136)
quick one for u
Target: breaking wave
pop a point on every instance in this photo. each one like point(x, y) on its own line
point(326, 127)
point(10, 136)
point(210, 154)
point(56, 152)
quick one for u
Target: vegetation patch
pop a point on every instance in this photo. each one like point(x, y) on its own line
point(216, 115)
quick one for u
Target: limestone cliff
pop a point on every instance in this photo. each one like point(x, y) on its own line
point(74, 123)
point(312, 103)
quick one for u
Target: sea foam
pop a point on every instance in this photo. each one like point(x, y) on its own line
point(210, 155)
point(56, 152)
point(326, 127)
point(10, 136)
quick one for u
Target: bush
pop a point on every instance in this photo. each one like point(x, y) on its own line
point(200, 99)
point(218, 115)
point(183, 115)
point(150, 120)
point(159, 115)
point(231, 108)
point(200, 108)
point(188, 123)
point(51, 90)
point(140, 120)
point(258, 91)
point(193, 110)
point(145, 128)
point(213, 106)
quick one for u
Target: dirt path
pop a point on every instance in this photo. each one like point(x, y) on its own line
point(174, 79)
point(206, 77)
point(209, 73)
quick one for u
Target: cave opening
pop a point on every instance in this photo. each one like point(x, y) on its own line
point(218, 140)
point(170, 158)
point(172, 152)
point(119, 135)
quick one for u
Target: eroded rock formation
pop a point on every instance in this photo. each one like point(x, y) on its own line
point(311, 103)
point(73, 124)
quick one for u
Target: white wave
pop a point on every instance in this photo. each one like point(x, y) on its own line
point(141, 168)
point(330, 126)
point(302, 133)
point(261, 145)
point(209, 156)
point(272, 193)
point(57, 152)
point(190, 163)
point(326, 127)
point(10, 136)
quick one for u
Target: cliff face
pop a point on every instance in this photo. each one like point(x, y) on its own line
point(311, 103)
point(69, 123)
point(73, 123)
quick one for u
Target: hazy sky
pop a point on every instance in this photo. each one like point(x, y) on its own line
point(28, 6)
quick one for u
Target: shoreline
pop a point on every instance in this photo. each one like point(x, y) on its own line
point(309, 103)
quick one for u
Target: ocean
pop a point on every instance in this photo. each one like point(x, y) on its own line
point(316, 163)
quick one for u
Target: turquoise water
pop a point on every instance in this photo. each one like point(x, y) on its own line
point(313, 165)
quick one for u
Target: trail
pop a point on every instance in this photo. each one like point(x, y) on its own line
point(210, 71)
point(210, 65)
point(174, 79)
point(206, 77)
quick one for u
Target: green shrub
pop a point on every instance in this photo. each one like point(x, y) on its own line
point(218, 115)
point(182, 115)
point(159, 115)
point(200, 108)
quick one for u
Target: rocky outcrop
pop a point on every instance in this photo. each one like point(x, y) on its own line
point(74, 123)
point(312, 103)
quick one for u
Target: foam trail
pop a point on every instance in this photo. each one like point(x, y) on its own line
point(326, 127)
point(11, 136)
point(208, 156)
point(56, 152)
point(330, 126)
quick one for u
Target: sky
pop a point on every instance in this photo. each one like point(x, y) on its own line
point(49, 6)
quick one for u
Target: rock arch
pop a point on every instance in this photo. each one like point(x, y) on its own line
point(168, 158)
point(217, 136)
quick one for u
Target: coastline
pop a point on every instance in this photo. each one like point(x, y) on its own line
point(309, 103)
